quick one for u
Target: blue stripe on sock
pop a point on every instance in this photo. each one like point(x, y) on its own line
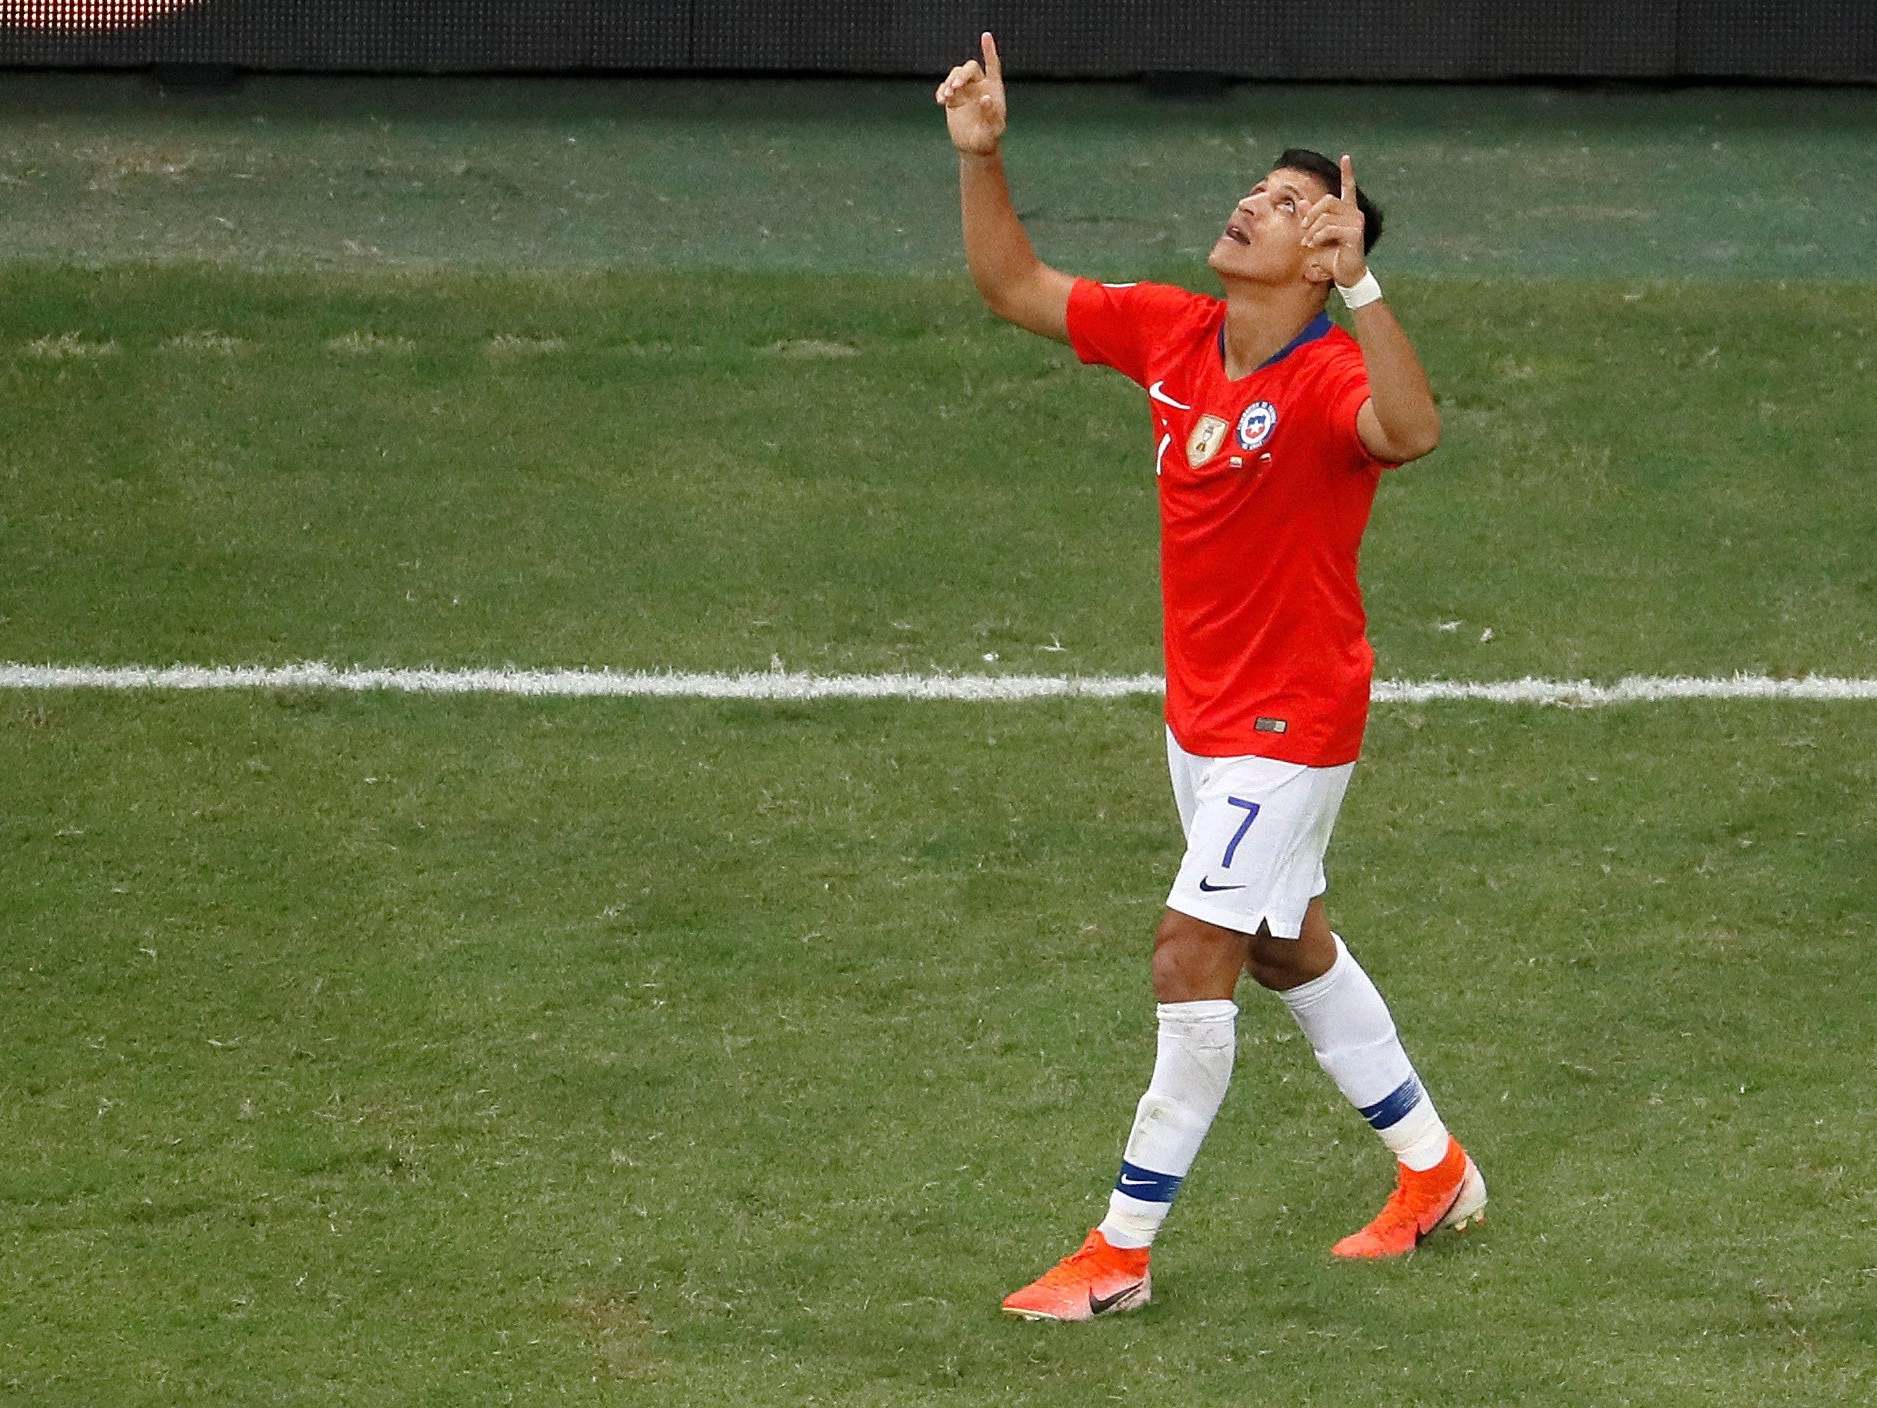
point(1145, 1184)
point(1394, 1106)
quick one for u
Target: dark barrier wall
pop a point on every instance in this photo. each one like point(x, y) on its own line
point(1817, 40)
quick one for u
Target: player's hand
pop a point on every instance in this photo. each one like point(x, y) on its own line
point(973, 99)
point(1337, 221)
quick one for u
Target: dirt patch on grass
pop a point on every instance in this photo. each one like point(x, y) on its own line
point(68, 347)
point(810, 349)
point(510, 344)
point(214, 344)
point(112, 166)
point(369, 344)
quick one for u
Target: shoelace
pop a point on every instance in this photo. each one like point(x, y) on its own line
point(1066, 1271)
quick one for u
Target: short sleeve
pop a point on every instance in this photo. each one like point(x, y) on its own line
point(1345, 387)
point(1118, 325)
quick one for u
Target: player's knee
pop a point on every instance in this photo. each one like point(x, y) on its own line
point(1269, 976)
point(1170, 966)
point(1276, 974)
point(1192, 961)
point(1281, 964)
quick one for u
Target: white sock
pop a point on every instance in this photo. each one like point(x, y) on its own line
point(1354, 1038)
point(1191, 1071)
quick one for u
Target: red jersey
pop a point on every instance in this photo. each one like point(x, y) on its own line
point(1265, 489)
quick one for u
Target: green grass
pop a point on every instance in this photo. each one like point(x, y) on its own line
point(390, 1050)
point(420, 1051)
point(1631, 480)
point(772, 175)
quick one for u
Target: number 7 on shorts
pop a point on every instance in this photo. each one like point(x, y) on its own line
point(1251, 815)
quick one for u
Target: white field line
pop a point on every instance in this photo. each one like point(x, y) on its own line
point(790, 685)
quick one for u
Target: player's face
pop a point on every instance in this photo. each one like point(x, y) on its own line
point(1263, 238)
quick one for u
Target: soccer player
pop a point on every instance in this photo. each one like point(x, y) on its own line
point(1271, 429)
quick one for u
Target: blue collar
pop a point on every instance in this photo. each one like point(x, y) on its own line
point(1319, 326)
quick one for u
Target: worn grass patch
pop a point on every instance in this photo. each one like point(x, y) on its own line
point(69, 347)
point(508, 344)
point(371, 344)
point(209, 342)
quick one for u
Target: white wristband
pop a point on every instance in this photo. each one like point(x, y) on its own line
point(1362, 292)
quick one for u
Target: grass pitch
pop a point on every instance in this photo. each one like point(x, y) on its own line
point(389, 1050)
point(402, 1051)
point(856, 473)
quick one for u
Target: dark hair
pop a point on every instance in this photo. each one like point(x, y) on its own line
point(1331, 175)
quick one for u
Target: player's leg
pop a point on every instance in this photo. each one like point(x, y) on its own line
point(1349, 1028)
point(1247, 820)
point(1194, 982)
point(1196, 967)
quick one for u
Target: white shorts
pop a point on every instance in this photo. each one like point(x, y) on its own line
point(1256, 830)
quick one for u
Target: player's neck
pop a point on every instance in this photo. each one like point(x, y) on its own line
point(1261, 320)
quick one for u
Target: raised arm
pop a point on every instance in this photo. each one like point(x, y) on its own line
point(1014, 283)
point(1399, 422)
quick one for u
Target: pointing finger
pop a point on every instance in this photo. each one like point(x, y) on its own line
point(1349, 178)
point(993, 66)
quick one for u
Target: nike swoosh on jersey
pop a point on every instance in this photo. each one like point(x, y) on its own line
point(1159, 394)
point(1212, 889)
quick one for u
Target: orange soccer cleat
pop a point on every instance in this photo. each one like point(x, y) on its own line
point(1450, 1194)
point(1095, 1280)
